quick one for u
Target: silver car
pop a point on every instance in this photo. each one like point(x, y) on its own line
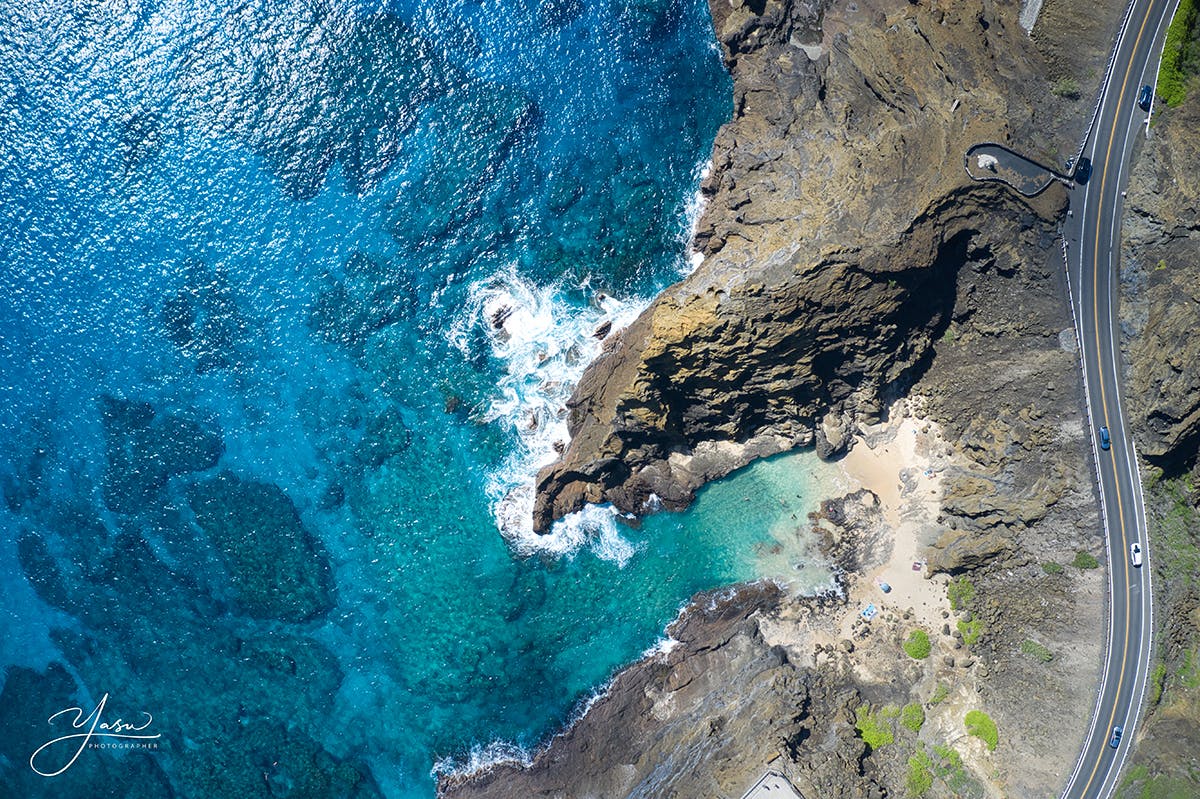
point(1135, 553)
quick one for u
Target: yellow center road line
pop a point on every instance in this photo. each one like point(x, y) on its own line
point(1100, 371)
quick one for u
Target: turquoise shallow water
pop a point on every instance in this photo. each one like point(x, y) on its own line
point(292, 294)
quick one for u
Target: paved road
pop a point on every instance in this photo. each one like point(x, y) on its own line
point(1093, 237)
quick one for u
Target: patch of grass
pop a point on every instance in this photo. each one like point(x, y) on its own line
point(939, 694)
point(1157, 678)
point(1189, 670)
point(1036, 651)
point(917, 645)
point(920, 774)
point(1168, 787)
point(1179, 56)
point(1161, 265)
point(1050, 567)
point(912, 716)
point(1176, 522)
point(1085, 560)
point(960, 591)
point(971, 630)
point(980, 725)
point(949, 754)
point(875, 730)
point(949, 768)
point(1135, 774)
point(1067, 88)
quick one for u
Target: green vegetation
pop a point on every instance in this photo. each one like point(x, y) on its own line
point(980, 725)
point(1157, 678)
point(1189, 672)
point(971, 630)
point(939, 694)
point(1161, 265)
point(949, 768)
point(1176, 552)
point(920, 773)
point(1067, 88)
point(1036, 651)
point(1181, 55)
point(912, 716)
point(1085, 560)
point(960, 591)
point(917, 645)
point(873, 728)
point(1050, 567)
point(1160, 786)
point(1138, 772)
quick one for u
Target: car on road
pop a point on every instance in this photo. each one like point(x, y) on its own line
point(1144, 98)
point(1083, 171)
point(1105, 441)
point(1115, 740)
point(1135, 553)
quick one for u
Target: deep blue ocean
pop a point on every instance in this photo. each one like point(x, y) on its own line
point(291, 297)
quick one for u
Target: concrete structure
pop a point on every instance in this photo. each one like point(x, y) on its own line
point(772, 785)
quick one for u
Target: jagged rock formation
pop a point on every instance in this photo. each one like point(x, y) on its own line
point(839, 215)
point(1161, 243)
point(684, 733)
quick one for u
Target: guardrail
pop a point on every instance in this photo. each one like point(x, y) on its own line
point(1051, 173)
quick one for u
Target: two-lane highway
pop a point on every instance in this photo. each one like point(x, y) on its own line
point(1093, 234)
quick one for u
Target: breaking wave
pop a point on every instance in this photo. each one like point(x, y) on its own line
point(543, 338)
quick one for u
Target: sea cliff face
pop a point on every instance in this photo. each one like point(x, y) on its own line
point(838, 216)
point(1161, 262)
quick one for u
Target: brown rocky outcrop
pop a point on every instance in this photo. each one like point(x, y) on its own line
point(1161, 270)
point(838, 217)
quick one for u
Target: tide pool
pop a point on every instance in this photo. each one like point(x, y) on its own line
point(291, 295)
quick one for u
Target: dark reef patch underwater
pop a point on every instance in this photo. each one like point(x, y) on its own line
point(292, 294)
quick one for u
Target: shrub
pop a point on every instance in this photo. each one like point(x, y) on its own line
point(1066, 87)
point(913, 716)
point(1085, 560)
point(875, 732)
point(1157, 679)
point(1172, 77)
point(1036, 651)
point(920, 774)
point(917, 645)
point(1050, 567)
point(980, 725)
point(939, 694)
point(960, 591)
point(971, 630)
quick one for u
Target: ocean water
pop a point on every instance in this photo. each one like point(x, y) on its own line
point(291, 296)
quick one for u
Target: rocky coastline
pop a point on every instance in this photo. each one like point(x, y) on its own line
point(848, 261)
point(837, 218)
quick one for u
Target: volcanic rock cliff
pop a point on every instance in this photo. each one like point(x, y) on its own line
point(838, 217)
point(1161, 242)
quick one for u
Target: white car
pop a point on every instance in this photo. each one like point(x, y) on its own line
point(1135, 553)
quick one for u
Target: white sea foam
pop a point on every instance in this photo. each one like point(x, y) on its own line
point(482, 758)
point(543, 342)
point(693, 210)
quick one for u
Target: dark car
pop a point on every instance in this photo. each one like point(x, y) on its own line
point(1115, 740)
point(1144, 98)
point(1105, 442)
point(1083, 171)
